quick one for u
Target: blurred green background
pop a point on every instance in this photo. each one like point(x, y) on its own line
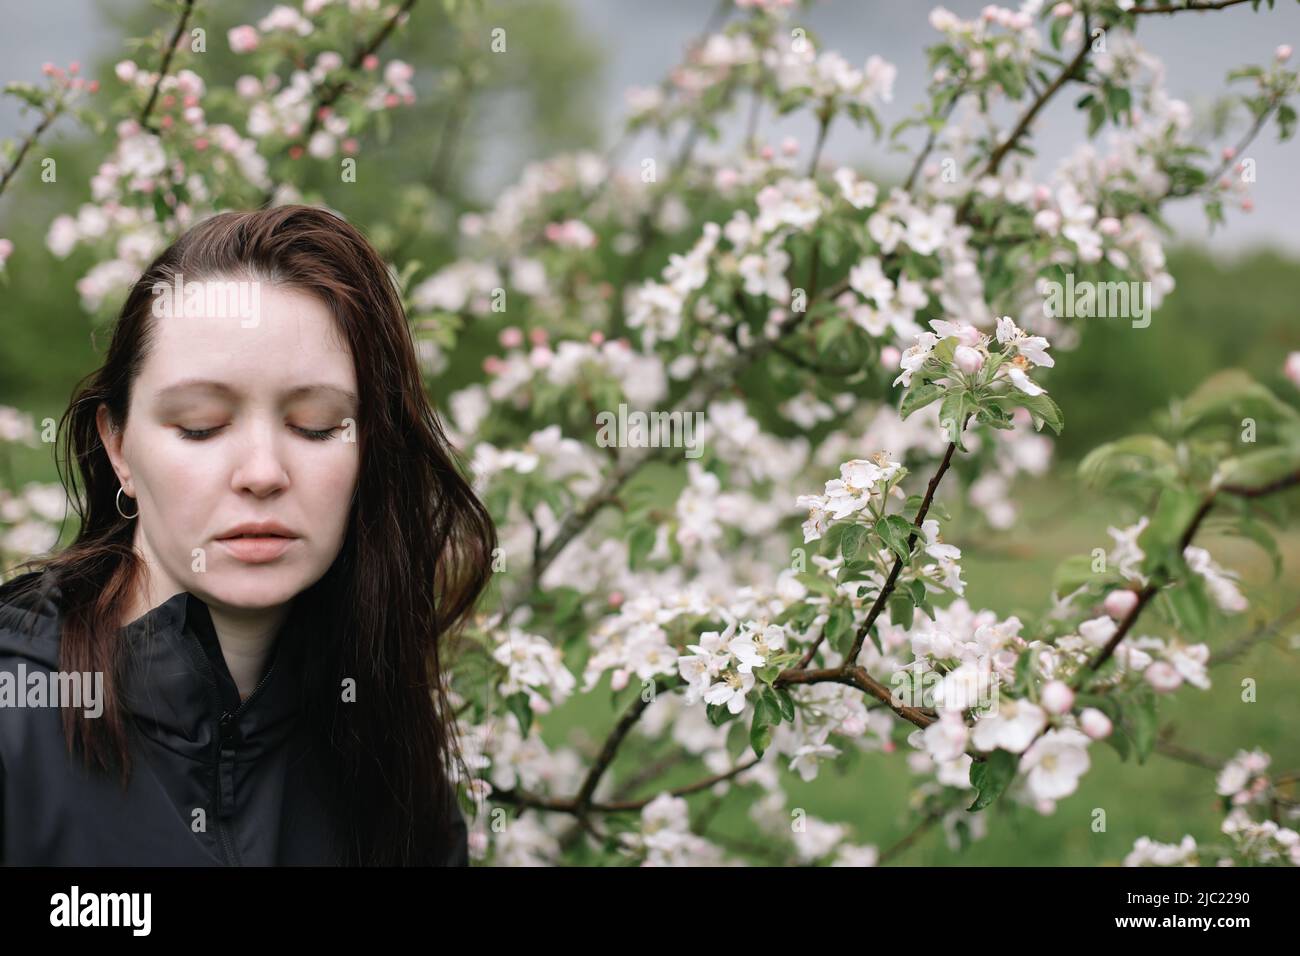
point(1239, 311)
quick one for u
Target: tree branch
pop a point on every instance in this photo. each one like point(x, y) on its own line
point(166, 65)
point(1148, 592)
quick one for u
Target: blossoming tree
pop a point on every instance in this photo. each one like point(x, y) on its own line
point(812, 328)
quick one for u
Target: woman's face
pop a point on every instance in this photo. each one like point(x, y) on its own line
point(235, 422)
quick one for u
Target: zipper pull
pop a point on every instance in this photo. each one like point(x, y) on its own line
point(228, 729)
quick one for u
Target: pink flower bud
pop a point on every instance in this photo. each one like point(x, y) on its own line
point(967, 359)
point(767, 152)
point(618, 679)
point(790, 146)
point(511, 337)
point(1229, 152)
point(243, 39)
point(493, 365)
point(537, 336)
point(597, 337)
point(1163, 676)
point(1283, 53)
point(1119, 603)
point(889, 357)
point(615, 598)
point(1057, 697)
point(1095, 724)
point(1292, 368)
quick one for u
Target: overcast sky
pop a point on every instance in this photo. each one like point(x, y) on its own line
point(641, 40)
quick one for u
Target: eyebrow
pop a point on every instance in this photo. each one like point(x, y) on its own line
point(210, 385)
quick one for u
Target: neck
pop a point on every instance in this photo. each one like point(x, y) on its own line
point(246, 635)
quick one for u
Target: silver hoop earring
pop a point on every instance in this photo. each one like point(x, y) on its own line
point(118, 501)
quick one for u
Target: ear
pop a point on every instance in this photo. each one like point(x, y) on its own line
point(112, 437)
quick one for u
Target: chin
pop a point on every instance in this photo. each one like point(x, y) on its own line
point(254, 588)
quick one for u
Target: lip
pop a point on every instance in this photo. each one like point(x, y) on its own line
point(257, 542)
point(259, 550)
point(259, 528)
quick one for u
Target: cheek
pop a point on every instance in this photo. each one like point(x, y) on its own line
point(177, 480)
point(325, 483)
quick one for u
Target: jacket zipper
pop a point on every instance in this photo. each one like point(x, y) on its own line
point(225, 734)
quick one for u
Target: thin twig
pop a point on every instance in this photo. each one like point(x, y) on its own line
point(166, 65)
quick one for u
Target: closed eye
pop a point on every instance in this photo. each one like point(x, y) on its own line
point(314, 434)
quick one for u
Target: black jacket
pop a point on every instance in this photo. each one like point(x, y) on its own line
point(213, 782)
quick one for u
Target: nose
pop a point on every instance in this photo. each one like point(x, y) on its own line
point(261, 466)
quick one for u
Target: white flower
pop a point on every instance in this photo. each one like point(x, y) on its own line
point(1147, 852)
point(945, 739)
point(1013, 727)
point(1032, 347)
point(851, 491)
point(731, 690)
point(1055, 763)
point(1021, 381)
point(860, 193)
point(816, 524)
point(1126, 555)
point(915, 356)
point(869, 281)
point(807, 759)
point(1220, 583)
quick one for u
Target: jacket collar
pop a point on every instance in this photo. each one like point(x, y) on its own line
point(174, 678)
point(178, 687)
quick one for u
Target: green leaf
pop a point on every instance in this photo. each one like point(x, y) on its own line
point(853, 541)
point(1143, 455)
point(991, 777)
point(786, 702)
point(1073, 573)
point(1258, 468)
point(1162, 537)
point(1044, 410)
point(760, 728)
point(952, 416)
point(1191, 606)
point(901, 608)
point(1228, 397)
point(518, 705)
point(895, 538)
point(919, 396)
point(1140, 714)
point(639, 544)
point(839, 629)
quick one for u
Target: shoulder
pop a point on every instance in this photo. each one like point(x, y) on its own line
point(30, 618)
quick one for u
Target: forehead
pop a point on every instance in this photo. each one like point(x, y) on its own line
point(256, 337)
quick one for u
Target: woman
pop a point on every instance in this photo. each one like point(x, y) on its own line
point(275, 544)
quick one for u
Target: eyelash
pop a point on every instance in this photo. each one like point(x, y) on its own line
point(201, 434)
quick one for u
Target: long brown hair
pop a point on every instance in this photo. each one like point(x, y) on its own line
point(415, 558)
